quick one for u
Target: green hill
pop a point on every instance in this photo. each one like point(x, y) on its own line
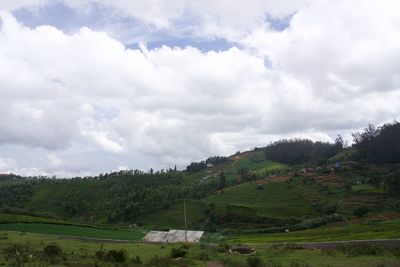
point(244, 193)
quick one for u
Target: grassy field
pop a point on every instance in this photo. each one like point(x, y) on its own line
point(275, 200)
point(12, 218)
point(382, 230)
point(259, 167)
point(73, 231)
point(82, 253)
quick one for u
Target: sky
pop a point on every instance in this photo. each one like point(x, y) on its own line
point(93, 86)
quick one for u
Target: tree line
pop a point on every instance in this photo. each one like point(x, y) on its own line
point(299, 151)
point(380, 144)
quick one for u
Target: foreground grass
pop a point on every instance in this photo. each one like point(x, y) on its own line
point(82, 253)
point(383, 230)
point(73, 231)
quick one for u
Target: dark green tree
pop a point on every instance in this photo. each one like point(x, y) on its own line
point(222, 180)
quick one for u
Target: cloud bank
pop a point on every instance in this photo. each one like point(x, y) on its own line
point(84, 102)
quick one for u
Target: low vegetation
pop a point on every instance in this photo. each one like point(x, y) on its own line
point(42, 250)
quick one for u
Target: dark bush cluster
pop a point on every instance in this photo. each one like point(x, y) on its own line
point(178, 253)
point(52, 250)
point(361, 211)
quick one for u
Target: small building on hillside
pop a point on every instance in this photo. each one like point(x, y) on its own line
point(210, 165)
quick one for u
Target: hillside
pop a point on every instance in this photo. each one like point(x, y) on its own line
point(259, 194)
point(248, 192)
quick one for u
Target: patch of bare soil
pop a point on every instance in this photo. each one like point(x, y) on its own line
point(214, 264)
point(279, 179)
point(331, 180)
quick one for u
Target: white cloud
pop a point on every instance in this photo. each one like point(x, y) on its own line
point(86, 97)
point(343, 53)
point(205, 18)
point(103, 141)
point(54, 160)
point(7, 165)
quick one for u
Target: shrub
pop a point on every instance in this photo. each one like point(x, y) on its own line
point(361, 211)
point(397, 205)
point(233, 263)
point(292, 246)
point(223, 248)
point(178, 253)
point(255, 262)
point(157, 261)
point(52, 250)
point(99, 254)
point(18, 252)
point(360, 249)
point(136, 260)
point(203, 256)
point(116, 256)
point(185, 246)
point(297, 264)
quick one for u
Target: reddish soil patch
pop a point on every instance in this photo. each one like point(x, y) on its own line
point(279, 179)
point(331, 180)
point(214, 264)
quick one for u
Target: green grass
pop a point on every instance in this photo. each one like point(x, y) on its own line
point(260, 167)
point(265, 167)
point(387, 230)
point(361, 188)
point(73, 231)
point(275, 200)
point(12, 218)
point(81, 253)
point(244, 164)
point(80, 248)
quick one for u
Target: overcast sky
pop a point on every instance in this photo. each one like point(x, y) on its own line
point(90, 86)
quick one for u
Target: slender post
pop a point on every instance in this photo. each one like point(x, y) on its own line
point(184, 212)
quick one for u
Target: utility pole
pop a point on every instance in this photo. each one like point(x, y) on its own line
point(184, 212)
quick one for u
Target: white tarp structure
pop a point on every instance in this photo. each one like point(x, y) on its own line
point(173, 236)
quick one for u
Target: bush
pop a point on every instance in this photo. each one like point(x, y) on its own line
point(178, 253)
point(157, 261)
point(255, 262)
point(360, 249)
point(397, 205)
point(52, 250)
point(136, 260)
point(99, 254)
point(233, 263)
point(185, 246)
point(203, 256)
point(361, 211)
point(297, 264)
point(116, 256)
point(223, 248)
point(18, 252)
